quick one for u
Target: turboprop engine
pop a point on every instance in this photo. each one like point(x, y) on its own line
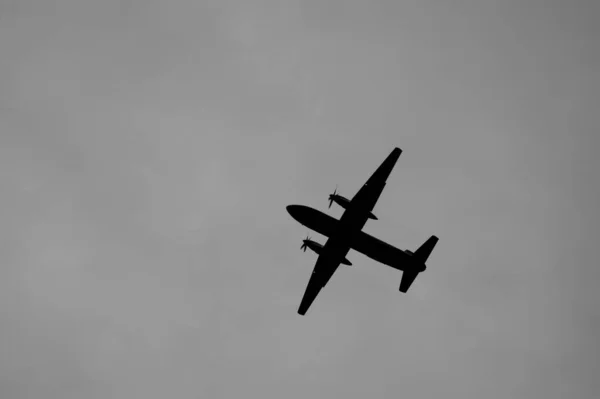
point(344, 202)
point(317, 248)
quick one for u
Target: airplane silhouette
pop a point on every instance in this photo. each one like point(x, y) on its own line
point(346, 233)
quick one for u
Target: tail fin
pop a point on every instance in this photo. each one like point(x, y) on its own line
point(420, 257)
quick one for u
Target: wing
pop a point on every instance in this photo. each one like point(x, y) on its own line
point(369, 193)
point(330, 258)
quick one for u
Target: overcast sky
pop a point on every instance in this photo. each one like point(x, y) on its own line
point(148, 150)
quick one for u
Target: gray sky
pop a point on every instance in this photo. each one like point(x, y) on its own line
point(148, 150)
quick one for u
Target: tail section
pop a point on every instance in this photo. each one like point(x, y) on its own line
point(408, 276)
point(418, 265)
point(424, 250)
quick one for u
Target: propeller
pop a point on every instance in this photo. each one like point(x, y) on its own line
point(303, 247)
point(332, 196)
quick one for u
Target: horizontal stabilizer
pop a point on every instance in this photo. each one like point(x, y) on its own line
point(424, 250)
point(408, 276)
point(419, 258)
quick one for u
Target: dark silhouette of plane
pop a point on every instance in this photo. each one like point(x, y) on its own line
point(346, 233)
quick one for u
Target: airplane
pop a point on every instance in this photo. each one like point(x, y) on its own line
point(346, 233)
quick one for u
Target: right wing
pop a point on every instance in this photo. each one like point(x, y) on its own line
point(328, 261)
point(321, 274)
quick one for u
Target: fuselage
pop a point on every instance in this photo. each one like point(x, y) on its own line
point(325, 224)
point(346, 233)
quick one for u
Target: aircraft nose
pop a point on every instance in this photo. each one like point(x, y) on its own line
point(298, 212)
point(292, 209)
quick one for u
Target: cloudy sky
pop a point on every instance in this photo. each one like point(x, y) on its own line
point(148, 150)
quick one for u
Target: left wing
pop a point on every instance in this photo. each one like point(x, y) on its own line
point(366, 198)
point(330, 258)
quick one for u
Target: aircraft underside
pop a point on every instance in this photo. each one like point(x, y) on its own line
point(346, 233)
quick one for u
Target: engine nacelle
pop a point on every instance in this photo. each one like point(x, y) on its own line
point(317, 248)
point(345, 203)
point(341, 201)
point(312, 245)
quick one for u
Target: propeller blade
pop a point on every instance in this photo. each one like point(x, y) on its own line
point(332, 196)
point(303, 246)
